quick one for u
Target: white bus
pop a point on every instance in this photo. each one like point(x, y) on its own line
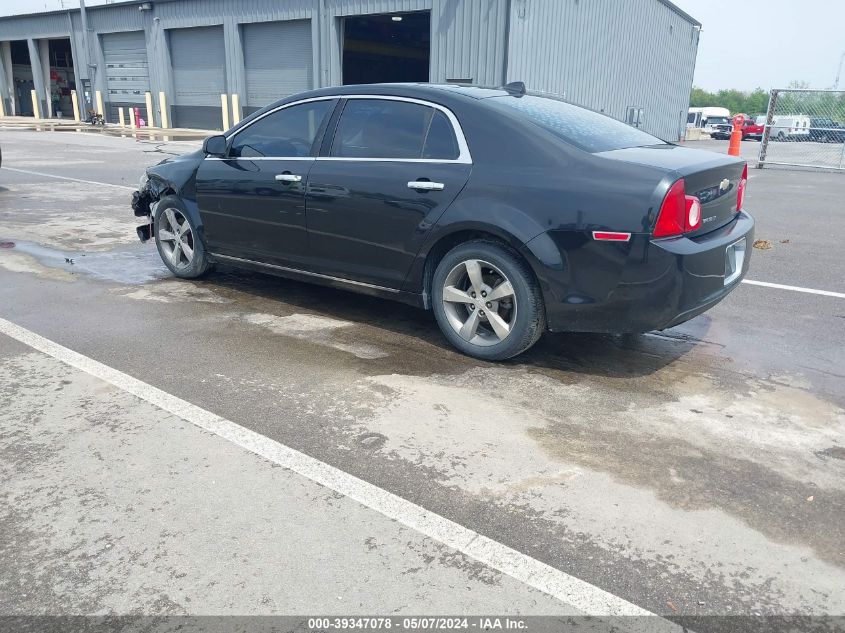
point(706, 118)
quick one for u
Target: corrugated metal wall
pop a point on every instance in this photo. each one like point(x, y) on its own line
point(468, 40)
point(277, 60)
point(607, 55)
point(127, 75)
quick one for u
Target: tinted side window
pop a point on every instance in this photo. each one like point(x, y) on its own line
point(375, 128)
point(286, 133)
point(441, 142)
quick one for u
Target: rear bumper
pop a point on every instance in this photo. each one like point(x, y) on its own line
point(641, 285)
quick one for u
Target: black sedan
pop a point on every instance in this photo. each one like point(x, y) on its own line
point(504, 213)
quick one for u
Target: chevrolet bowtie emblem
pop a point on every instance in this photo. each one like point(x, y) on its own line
point(723, 186)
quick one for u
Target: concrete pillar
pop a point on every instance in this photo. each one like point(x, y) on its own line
point(6, 83)
point(165, 115)
point(44, 54)
point(237, 113)
point(235, 69)
point(224, 107)
point(37, 74)
point(75, 101)
point(6, 61)
point(36, 106)
point(148, 97)
point(101, 109)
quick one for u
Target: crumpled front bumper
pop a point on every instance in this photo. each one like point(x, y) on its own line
point(143, 205)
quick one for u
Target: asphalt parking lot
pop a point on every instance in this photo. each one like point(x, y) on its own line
point(250, 445)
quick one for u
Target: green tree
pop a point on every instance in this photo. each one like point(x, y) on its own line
point(736, 101)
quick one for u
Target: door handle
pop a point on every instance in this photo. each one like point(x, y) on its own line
point(425, 185)
point(288, 177)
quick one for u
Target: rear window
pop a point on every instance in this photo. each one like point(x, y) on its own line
point(585, 129)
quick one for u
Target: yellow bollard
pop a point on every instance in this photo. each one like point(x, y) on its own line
point(132, 123)
point(224, 104)
point(148, 97)
point(100, 109)
point(120, 117)
point(36, 110)
point(2, 107)
point(75, 102)
point(236, 109)
point(162, 103)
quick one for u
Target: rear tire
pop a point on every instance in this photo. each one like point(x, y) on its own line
point(178, 242)
point(486, 301)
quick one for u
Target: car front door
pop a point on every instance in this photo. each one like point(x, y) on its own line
point(393, 167)
point(252, 201)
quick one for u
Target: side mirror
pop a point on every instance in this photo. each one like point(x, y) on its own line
point(215, 145)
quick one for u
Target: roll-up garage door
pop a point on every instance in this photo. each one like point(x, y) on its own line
point(278, 60)
point(199, 76)
point(127, 75)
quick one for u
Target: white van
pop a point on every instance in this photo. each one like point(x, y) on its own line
point(790, 127)
point(707, 118)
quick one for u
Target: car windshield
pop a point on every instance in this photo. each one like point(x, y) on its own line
point(717, 120)
point(585, 129)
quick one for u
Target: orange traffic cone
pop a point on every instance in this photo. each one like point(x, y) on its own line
point(736, 135)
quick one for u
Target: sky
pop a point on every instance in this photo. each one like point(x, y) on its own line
point(745, 44)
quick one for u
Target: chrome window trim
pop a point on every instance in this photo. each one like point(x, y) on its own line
point(464, 156)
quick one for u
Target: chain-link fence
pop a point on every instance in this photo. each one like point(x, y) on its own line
point(804, 128)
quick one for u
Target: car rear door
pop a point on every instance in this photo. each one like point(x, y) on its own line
point(391, 169)
point(252, 202)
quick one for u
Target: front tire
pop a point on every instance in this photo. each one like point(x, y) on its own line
point(177, 240)
point(487, 302)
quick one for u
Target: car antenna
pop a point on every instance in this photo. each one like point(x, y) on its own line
point(515, 88)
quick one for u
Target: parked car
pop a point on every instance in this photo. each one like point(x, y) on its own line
point(504, 213)
point(720, 128)
point(790, 128)
point(752, 130)
point(825, 130)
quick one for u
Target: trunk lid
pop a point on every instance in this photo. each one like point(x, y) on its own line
point(712, 178)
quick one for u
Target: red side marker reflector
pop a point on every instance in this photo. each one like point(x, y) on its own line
point(611, 236)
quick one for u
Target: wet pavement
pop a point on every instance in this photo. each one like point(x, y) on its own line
point(697, 471)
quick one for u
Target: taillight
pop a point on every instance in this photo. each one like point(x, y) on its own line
point(679, 212)
point(740, 190)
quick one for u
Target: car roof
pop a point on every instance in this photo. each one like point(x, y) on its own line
point(432, 92)
point(475, 92)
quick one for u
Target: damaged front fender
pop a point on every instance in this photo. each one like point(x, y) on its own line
point(174, 176)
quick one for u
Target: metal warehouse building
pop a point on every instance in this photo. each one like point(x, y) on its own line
point(633, 60)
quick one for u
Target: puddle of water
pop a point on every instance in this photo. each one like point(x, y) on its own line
point(136, 265)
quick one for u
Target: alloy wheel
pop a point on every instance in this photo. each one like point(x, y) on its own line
point(479, 302)
point(176, 238)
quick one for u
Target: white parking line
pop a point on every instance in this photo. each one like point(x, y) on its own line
point(87, 182)
point(577, 593)
point(812, 291)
